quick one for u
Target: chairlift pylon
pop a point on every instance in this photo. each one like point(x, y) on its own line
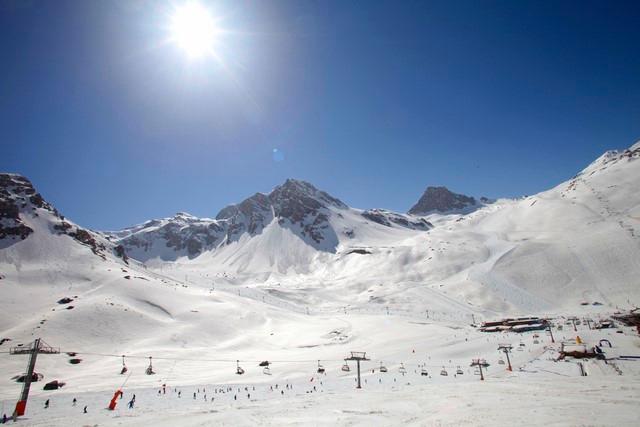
point(149, 370)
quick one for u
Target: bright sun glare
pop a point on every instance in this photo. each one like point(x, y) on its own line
point(193, 29)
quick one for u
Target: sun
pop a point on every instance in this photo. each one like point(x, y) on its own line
point(193, 29)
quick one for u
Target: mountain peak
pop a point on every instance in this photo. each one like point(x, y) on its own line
point(441, 199)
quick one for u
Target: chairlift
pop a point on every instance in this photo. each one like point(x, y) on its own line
point(521, 344)
point(536, 335)
point(383, 368)
point(459, 371)
point(424, 372)
point(320, 368)
point(520, 349)
point(239, 370)
point(476, 371)
point(444, 372)
point(124, 367)
point(149, 370)
point(345, 367)
point(266, 370)
point(536, 342)
point(402, 369)
point(500, 362)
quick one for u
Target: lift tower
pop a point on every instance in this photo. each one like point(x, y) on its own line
point(35, 348)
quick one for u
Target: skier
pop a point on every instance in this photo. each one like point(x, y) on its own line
point(75, 401)
point(180, 394)
point(194, 395)
point(4, 418)
point(46, 404)
point(85, 409)
point(131, 402)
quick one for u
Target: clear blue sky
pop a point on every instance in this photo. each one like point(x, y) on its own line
point(370, 101)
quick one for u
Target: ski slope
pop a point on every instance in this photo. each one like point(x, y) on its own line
point(404, 295)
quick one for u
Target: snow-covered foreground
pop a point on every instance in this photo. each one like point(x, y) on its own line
point(540, 391)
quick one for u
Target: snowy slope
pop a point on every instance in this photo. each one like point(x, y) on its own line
point(296, 276)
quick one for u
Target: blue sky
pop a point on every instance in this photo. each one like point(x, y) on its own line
point(370, 101)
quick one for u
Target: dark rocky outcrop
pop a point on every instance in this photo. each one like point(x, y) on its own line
point(440, 199)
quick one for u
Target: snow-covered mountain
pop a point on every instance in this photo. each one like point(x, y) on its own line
point(296, 274)
point(296, 208)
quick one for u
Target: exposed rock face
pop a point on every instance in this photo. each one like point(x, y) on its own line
point(19, 197)
point(16, 194)
point(388, 218)
point(440, 199)
point(295, 204)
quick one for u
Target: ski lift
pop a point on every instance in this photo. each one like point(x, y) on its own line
point(536, 342)
point(124, 367)
point(424, 373)
point(521, 344)
point(536, 335)
point(149, 370)
point(459, 371)
point(476, 371)
point(239, 370)
point(320, 368)
point(402, 369)
point(383, 368)
point(345, 367)
point(266, 370)
point(500, 362)
point(520, 349)
point(444, 372)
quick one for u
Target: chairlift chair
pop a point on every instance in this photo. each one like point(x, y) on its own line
point(402, 369)
point(266, 371)
point(459, 371)
point(520, 349)
point(500, 362)
point(424, 372)
point(383, 368)
point(536, 342)
point(320, 368)
point(149, 370)
point(444, 372)
point(239, 370)
point(345, 367)
point(124, 367)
